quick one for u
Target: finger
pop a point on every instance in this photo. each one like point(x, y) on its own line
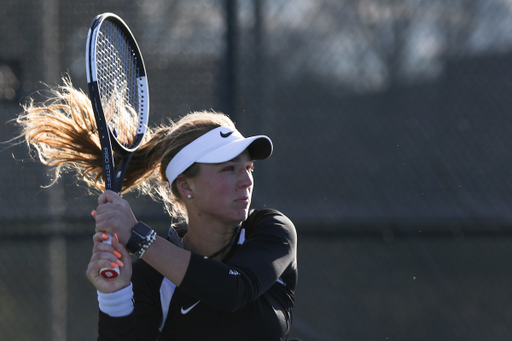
point(102, 199)
point(110, 221)
point(102, 209)
point(121, 249)
point(95, 265)
point(114, 210)
point(106, 257)
point(101, 244)
point(103, 247)
point(114, 222)
point(100, 237)
point(108, 196)
point(103, 250)
point(109, 226)
point(104, 220)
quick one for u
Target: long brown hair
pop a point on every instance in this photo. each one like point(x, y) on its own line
point(63, 132)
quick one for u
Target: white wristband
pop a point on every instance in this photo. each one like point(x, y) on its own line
point(117, 304)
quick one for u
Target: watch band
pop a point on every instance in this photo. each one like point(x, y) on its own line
point(140, 233)
point(146, 243)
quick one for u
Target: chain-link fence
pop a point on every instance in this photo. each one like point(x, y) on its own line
point(392, 131)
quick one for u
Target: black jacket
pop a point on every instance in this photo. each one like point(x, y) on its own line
point(247, 296)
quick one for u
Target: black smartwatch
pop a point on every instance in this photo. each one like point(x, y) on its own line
point(140, 233)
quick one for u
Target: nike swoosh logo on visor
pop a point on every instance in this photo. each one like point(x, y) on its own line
point(184, 311)
point(225, 134)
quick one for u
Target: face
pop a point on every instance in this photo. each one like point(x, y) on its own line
point(223, 191)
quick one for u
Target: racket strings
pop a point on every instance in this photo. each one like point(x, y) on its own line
point(117, 83)
point(122, 119)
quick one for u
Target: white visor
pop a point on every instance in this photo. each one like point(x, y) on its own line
point(216, 146)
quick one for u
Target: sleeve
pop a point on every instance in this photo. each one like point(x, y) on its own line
point(255, 266)
point(115, 328)
point(143, 323)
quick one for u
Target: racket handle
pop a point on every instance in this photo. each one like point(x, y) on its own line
point(109, 273)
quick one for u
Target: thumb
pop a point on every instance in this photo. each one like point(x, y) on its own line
point(108, 197)
point(126, 262)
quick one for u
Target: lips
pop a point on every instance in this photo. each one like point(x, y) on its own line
point(243, 200)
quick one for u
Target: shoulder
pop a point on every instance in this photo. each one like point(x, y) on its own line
point(268, 215)
point(269, 221)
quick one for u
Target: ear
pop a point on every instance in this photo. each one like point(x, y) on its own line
point(184, 186)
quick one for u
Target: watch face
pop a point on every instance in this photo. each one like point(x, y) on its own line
point(142, 229)
point(140, 232)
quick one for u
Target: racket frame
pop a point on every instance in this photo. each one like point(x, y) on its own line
point(114, 177)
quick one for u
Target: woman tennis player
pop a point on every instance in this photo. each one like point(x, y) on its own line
point(225, 272)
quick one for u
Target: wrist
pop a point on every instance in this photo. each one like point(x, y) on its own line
point(141, 238)
point(117, 304)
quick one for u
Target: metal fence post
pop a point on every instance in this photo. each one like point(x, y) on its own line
point(57, 244)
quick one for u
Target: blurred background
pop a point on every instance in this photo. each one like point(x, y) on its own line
point(392, 130)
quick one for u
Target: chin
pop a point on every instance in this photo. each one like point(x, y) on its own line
point(241, 215)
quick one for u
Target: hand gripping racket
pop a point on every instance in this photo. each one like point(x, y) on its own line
point(118, 90)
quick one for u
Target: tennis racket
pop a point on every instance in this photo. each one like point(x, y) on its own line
point(118, 89)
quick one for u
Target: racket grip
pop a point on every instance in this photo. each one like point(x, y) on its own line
point(109, 273)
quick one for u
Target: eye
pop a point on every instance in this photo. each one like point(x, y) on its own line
point(228, 168)
point(250, 168)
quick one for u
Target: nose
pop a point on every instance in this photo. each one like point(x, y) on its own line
point(245, 179)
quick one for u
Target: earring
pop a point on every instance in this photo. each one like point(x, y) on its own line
point(189, 196)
